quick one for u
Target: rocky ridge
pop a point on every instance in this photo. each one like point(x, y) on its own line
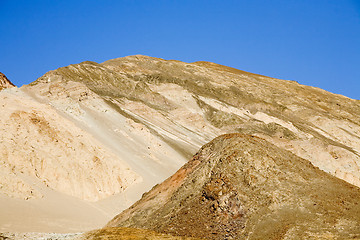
point(5, 82)
point(243, 187)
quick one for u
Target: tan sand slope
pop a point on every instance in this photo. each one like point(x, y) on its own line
point(38, 143)
point(45, 159)
point(46, 156)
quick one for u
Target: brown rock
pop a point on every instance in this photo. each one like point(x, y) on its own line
point(5, 82)
point(243, 187)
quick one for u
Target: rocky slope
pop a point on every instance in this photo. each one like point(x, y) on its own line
point(130, 234)
point(5, 82)
point(94, 137)
point(108, 234)
point(243, 187)
point(187, 105)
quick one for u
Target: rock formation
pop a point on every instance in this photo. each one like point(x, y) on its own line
point(243, 187)
point(5, 82)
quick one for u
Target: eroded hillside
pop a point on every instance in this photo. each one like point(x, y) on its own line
point(243, 187)
point(5, 82)
point(37, 142)
point(187, 105)
point(107, 133)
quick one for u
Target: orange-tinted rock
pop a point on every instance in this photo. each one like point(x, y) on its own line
point(243, 187)
point(5, 82)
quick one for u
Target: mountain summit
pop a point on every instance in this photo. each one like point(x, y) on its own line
point(243, 187)
point(5, 82)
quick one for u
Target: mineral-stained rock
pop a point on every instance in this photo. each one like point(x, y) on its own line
point(5, 82)
point(243, 187)
point(130, 234)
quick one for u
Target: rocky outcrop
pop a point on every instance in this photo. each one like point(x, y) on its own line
point(243, 187)
point(5, 82)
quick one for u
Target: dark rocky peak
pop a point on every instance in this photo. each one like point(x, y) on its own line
point(243, 187)
point(5, 82)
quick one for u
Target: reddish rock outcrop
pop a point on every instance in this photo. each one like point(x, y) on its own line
point(243, 187)
point(5, 82)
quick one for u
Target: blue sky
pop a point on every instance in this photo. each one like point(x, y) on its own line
point(314, 42)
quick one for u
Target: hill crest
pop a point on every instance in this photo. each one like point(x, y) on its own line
point(5, 82)
point(240, 186)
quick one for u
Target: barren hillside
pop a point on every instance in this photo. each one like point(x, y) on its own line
point(190, 104)
point(187, 105)
point(95, 137)
point(243, 187)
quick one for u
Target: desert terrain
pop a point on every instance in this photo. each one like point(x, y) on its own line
point(84, 142)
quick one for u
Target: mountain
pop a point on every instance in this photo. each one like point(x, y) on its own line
point(5, 82)
point(243, 187)
point(187, 105)
point(84, 142)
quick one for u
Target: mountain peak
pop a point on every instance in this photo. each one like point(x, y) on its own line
point(240, 186)
point(5, 82)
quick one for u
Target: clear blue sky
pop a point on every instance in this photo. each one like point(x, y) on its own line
point(315, 42)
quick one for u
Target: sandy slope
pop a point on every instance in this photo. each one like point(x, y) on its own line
point(46, 156)
point(37, 143)
point(40, 169)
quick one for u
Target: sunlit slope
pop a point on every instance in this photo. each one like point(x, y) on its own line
point(243, 187)
point(51, 170)
point(186, 105)
point(100, 135)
